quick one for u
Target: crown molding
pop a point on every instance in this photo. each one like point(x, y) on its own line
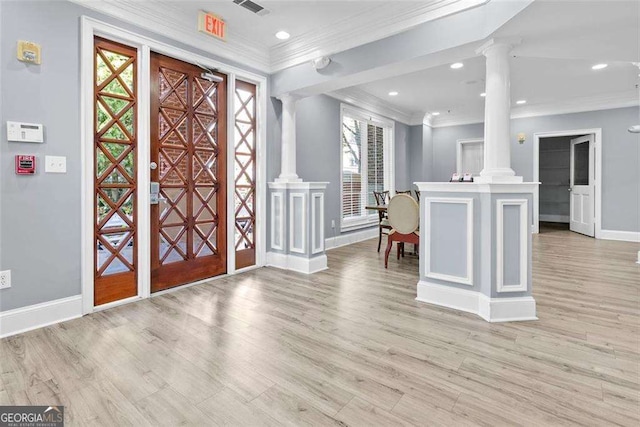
point(576, 105)
point(366, 101)
point(144, 15)
point(336, 37)
point(363, 28)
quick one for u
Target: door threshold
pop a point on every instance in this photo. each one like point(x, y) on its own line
point(116, 303)
point(175, 288)
point(200, 282)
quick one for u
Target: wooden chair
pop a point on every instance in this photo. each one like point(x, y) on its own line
point(382, 198)
point(417, 195)
point(404, 217)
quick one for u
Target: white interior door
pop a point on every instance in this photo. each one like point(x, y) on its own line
point(582, 185)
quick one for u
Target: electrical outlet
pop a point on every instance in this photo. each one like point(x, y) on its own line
point(5, 279)
point(333, 223)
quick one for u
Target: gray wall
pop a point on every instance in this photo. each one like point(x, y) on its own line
point(415, 155)
point(40, 222)
point(620, 156)
point(318, 152)
point(444, 148)
point(402, 143)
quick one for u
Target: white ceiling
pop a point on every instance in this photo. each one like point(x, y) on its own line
point(540, 81)
point(319, 27)
point(552, 66)
point(299, 18)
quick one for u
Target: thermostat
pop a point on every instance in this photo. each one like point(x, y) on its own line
point(25, 132)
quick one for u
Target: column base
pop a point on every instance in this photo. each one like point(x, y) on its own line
point(288, 178)
point(490, 309)
point(477, 256)
point(297, 226)
point(498, 179)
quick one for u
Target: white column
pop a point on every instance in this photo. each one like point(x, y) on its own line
point(288, 165)
point(497, 115)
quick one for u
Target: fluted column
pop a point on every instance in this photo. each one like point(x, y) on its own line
point(288, 165)
point(497, 122)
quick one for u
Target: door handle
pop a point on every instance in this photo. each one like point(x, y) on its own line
point(569, 189)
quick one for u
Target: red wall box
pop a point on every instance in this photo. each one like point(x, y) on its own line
point(25, 164)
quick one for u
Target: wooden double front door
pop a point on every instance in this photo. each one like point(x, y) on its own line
point(188, 130)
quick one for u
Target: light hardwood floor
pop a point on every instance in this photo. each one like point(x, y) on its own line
point(349, 346)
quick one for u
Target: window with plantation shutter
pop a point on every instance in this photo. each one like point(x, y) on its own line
point(366, 165)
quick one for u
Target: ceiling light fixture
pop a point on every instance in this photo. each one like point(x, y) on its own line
point(321, 63)
point(282, 35)
point(521, 101)
point(599, 66)
point(393, 93)
point(457, 65)
point(483, 94)
point(435, 113)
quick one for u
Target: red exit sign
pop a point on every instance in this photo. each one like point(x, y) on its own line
point(213, 25)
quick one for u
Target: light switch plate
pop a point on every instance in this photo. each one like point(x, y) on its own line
point(55, 164)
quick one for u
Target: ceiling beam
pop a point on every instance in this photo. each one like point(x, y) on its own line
point(427, 44)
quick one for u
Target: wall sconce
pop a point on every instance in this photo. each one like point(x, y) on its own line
point(522, 138)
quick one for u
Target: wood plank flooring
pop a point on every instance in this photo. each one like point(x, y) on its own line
point(349, 346)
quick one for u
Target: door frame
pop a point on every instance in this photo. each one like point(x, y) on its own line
point(90, 28)
point(597, 208)
point(459, 145)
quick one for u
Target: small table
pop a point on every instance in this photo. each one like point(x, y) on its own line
point(382, 208)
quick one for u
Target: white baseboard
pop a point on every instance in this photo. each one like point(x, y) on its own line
point(350, 238)
point(514, 309)
point(296, 263)
point(40, 315)
point(624, 236)
point(554, 218)
point(490, 309)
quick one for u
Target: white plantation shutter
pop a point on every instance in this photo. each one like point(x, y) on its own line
point(375, 162)
point(352, 167)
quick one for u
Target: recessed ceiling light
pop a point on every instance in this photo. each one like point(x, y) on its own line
point(483, 94)
point(283, 35)
point(435, 113)
point(457, 65)
point(393, 93)
point(521, 101)
point(599, 66)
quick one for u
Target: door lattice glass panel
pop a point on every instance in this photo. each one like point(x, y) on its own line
point(205, 167)
point(245, 174)
point(173, 165)
point(115, 139)
point(188, 137)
